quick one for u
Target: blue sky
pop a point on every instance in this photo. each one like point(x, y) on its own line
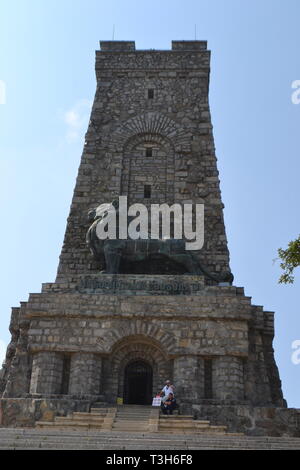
point(47, 52)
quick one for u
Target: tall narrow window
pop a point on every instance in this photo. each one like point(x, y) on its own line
point(147, 191)
point(148, 152)
point(65, 375)
point(208, 391)
point(150, 94)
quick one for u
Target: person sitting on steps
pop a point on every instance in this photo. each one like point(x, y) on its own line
point(168, 388)
point(169, 404)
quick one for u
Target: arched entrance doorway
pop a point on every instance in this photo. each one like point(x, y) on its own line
point(138, 383)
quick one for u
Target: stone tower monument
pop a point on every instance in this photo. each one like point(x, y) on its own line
point(94, 336)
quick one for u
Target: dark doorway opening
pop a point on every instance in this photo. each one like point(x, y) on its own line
point(138, 383)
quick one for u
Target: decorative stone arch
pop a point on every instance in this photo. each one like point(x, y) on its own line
point(163, 339)
point(147, 138)
point(147, 126)
point(151, 123)
point(137, 348)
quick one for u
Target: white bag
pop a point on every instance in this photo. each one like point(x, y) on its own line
point(156, 401)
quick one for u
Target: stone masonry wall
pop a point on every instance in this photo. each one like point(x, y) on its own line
point(124, 122)
point(47, 369)
point(175, 334)
point(72, 342)
point(85, 375)
point(228, 378)
point(16, 372)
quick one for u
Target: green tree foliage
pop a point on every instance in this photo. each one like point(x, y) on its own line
point(290, 260)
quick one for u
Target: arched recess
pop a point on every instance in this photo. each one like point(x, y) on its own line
point(137, 383)
point(150, 126)
point(152, 122)
point(131, 349)
point(148, 160)
point(136, 329)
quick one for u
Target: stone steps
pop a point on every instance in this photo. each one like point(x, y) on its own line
point(130, 428)
point(69, 424)
point(98, 418)
point(52, 433)
point(153, 437)
point(132, 418)
point(90, 418)
point(132, 415)
point(179, 417)
point(185, 424)
point(123, 418)
point(135, 418)
point(59, 439)
point(96, 410)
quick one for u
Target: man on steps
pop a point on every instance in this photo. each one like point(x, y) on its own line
point(169, 404)
point(168, 388)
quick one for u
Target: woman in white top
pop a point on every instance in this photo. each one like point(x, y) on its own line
point(168, 388)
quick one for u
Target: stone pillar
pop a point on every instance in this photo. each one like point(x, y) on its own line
point(85, 374)
point(46, 376)
point(228, 378)
point(186, 378)
point(17, 367)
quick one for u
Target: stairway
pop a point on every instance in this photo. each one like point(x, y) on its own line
point(57, 438)
point(185, 424)
point(124, 418)
point(97, 418)
point(132, 418)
